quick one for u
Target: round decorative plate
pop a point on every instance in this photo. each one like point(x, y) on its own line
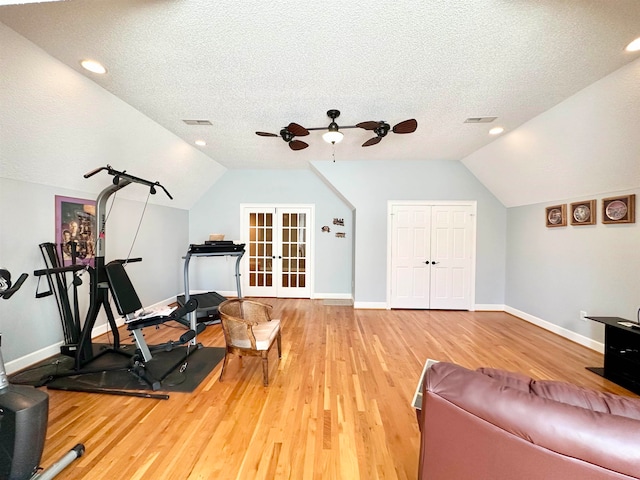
point(581, 213)
point(616, 210)
point(555, 216)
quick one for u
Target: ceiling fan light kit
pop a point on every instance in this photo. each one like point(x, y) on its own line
point(333, 134)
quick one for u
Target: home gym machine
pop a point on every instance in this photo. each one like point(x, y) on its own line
point(24, 413)
point(84, 351)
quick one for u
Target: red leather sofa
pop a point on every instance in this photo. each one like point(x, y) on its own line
point(490, 424)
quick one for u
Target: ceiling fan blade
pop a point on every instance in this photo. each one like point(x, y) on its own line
point(368, 125)
point(297, 145)
point(266, 134)
point(372, 141)
point(297, 130)
point(408, 126)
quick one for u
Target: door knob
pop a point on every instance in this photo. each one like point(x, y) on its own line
point(427, 262)
point(435, 263)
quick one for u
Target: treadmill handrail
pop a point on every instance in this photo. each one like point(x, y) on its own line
point(187, 258)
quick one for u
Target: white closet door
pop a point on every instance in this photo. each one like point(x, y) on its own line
point(432, 256)
point(451, 252)
point(410, 273)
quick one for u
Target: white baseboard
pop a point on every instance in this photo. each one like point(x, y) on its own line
point(32, 358)
point(563, 332)
point(332, 296)
point(227, 293)
point(489, 307)
point(370, 305)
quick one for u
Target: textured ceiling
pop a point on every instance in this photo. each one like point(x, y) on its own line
point(257, 66)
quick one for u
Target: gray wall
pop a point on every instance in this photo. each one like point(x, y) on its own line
point(369, 185)
point(218, 211)
point(554, 273)
point(56, 125)
point(28, 324)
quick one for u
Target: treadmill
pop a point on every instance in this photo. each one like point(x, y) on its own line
point(208, 302)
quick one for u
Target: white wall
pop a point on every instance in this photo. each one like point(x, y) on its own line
point(585, 145)
point(56, 125)
point(218, 211)
point(368, 185)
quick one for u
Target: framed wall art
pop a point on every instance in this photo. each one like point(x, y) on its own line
point(556, 216)
point(76, 222)
point(583, 213)
point(621, 209)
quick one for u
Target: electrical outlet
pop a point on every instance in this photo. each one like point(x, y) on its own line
point(583, 315)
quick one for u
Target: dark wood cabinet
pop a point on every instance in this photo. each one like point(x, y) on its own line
point(621, 353)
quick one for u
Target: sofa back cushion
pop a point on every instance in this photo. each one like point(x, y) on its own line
point(585, 398)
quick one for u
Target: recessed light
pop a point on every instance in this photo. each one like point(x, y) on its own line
point(93, 66)
point(496, 131)
point(634, 46)
point(201, 143)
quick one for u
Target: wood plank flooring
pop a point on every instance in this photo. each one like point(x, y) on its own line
point(337, 407)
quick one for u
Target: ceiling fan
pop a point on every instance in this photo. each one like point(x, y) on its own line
point(333, 134)
point(288, 134)
point(382, 128)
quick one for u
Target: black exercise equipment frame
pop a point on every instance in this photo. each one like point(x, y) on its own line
point(85, 352)
point(99, 289)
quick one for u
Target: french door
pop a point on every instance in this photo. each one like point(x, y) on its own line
point(278, 249)
point(432, 256)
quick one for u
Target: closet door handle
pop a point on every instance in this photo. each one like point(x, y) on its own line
point(427, 262)
point(434, 263)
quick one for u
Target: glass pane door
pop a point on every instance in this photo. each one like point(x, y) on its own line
point(260, 249)
point(294, 249)
point(277, 260)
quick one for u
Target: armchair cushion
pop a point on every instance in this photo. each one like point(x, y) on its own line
point(264, 332)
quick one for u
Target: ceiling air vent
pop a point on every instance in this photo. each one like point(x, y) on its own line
point(197, 122)
point(480, 119)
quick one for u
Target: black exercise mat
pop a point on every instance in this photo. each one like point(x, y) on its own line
point(111, 371)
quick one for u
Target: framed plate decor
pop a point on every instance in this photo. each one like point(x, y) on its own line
point(583, 213)
point(556, 216)
point(620, 209)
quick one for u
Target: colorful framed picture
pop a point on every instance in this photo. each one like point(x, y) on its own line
point(556, 216)
point(583, 213)
point(76, 224)
point(620, 209)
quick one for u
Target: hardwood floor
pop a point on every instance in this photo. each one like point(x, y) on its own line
point(337, 406)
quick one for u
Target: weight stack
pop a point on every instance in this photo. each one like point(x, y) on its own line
point(24, 413)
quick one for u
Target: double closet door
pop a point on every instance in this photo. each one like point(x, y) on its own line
point(432, 256)
point(278, 242)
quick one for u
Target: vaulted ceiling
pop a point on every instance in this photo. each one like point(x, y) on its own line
point(257, 66)
point(540, 66)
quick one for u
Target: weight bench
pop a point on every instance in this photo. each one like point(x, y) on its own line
point(128, 303)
